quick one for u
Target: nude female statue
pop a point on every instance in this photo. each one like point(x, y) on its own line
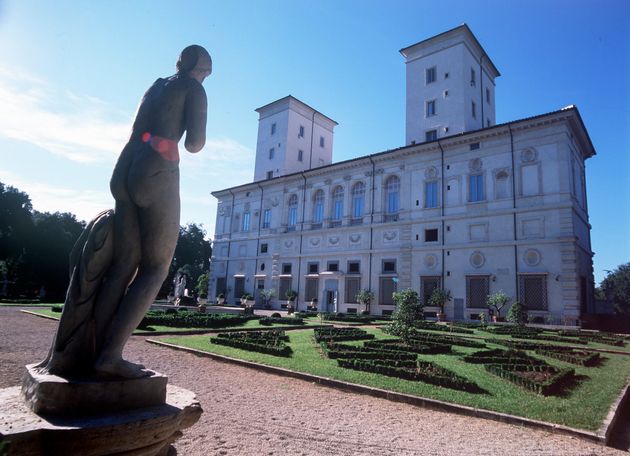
point(122, 258)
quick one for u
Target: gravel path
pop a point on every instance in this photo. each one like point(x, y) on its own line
point(247, 412)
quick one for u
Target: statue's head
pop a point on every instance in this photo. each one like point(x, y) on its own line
point(195, 61)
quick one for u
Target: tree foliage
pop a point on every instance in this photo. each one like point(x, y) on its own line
point(498, 300)
point(517, 314)
point(616, 288)
point(409, 309)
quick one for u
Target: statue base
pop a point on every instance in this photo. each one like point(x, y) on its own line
point(47, 394)
point(142, 431)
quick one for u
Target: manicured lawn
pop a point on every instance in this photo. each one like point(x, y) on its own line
point(251, 324)
point(13, 304)
point(584, 406)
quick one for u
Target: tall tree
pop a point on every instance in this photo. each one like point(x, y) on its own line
point(616, 288)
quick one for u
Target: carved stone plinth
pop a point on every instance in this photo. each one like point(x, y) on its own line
point(143, 431)
point(47, 394)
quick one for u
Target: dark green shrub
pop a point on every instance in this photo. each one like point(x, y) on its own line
point(517, 314)
point(56, 308)
point(276, 315)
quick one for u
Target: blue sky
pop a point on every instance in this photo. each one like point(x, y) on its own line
point(72, 73)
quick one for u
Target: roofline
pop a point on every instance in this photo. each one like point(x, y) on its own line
point(457, 135)
point(466, 28)
point(291, 97)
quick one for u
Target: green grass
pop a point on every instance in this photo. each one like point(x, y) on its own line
point(34, 304)
point(584, 406)
point(251, 324)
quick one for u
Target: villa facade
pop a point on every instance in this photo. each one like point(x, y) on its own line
point(466, 205)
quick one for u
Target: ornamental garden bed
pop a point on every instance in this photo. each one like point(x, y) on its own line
point(268, 342)
point(289, 321)
point(186, 319)
point(526, 371)
point(602, 338)
point(419, 347)
point(583, 406)
point(429, 325)
point(341, 334)
point(579, 357)
point(446, 339)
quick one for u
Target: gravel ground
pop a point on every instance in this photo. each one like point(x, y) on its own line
point(247, 412)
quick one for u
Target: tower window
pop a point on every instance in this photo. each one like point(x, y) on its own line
point(473, 77)
point(269, 174)
point(263, 248)
point(321, 141)
point(487, 95)
point(272, 151)
point(431, 108)
point(300, 155)
point(301, 132)
point(430, 135)
point(473, 109)
point(273, 128)
point(431, 235)
point(430, 75)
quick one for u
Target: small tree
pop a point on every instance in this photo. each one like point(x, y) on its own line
point(202, 286)
point(498, 300)
point(409, 309)
point(267, 294)
point(616, 288)
point(517, 314)
point(365, 297)
point(439, 298)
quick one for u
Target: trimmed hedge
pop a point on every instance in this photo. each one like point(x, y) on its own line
point(423, 348)
point(268, 321)
point(336, 351)
point(445, 339)
point(580, 358)
point(187, 319)
point(423, 324)
point(423, 371)
point(512, 330)
point(527, 345)
point(521, 374)
point(602, 338)
point(341, 334)
point(271, 343)
point(551, 338)
point(366, 319)
point(498, 356)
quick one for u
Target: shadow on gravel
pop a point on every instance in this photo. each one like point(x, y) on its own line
point(621, 432)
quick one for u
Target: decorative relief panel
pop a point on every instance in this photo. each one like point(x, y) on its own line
point(475, 165)
point(477, 259)
point(532, 257)
point(314, 241)
point(355, 238)
point(431, 172)
point(390, 236)
point(333, 240)
point(529, 155)
point(430, 261)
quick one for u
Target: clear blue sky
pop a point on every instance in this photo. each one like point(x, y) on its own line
point(72, 72)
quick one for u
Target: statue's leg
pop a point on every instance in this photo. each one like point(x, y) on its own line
point(159, 230)
point(125, 262)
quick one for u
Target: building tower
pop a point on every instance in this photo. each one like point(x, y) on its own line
point(450, 86)
point(292, 137)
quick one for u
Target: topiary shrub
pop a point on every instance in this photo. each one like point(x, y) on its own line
point(408, 311)
point(517, 314)
point(56, 308)
point(276, 315)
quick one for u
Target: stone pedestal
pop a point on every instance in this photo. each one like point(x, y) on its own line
point(140, 432)
point(47, 394)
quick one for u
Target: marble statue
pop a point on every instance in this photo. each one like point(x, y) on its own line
point(122, 258)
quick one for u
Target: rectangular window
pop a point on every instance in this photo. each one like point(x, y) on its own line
point(354, 267)
point(474, 146)
point(487, 95)
point(430, 135)
point(266, 218)
point(271, 153)
point(475, 190)
point(430, 194)
point(321, 141)
point(292, 216)
point(263, 248)
point(427, 285)
point(353, 286)
point(286, 268)
point(313, 268)
point(389, 266)
point(310, 291)
point(273, 128)
point(430, 108)
point(246, 218)
point(487, 122)
point(473, 108)
point(285, 285)
point(431, 235)
point(477, 291)
point(221, 288)
point(387, 288)
point(269, 174)
point(300, 155)
point(473, 77)
point(533, 291)
point(332, 266)
point(301, 132)
point(430, 75)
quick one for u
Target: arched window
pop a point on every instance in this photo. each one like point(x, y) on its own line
point(337, 203)
point(358, 195)
point(318, 206)
point(293, 203)
point(501, 184)
point(392, 195)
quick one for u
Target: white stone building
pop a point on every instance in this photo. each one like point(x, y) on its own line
point(467, 205)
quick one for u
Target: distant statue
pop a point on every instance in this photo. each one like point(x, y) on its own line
point(122, 258)
point(180, 286)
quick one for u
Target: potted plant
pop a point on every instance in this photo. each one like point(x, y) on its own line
point(220, 299)
point(313, 305)
point(439, 297)
point(291, 295)
point(247, 300)
point(365, 297)
point(497, 301)
point(267, 294)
